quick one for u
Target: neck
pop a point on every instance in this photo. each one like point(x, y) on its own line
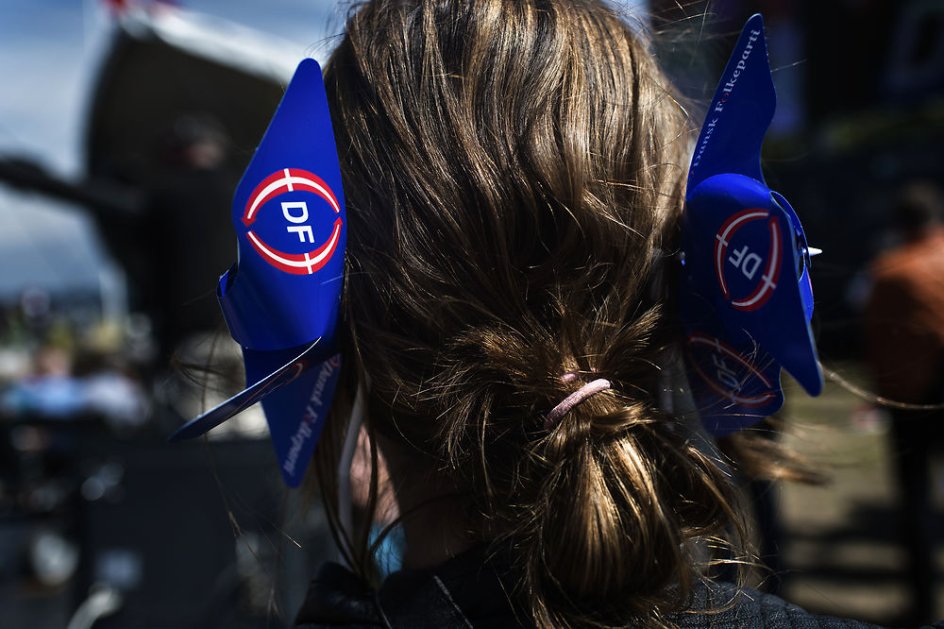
point(434, 517)
point(434, 532)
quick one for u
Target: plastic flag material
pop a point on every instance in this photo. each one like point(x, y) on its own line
point(281, 300)
point(745, 297)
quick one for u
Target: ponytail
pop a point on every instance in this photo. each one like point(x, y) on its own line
point(512, 169)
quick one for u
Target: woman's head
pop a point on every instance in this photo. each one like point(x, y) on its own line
point(514, 172)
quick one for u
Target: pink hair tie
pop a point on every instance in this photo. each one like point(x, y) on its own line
point(575, 398)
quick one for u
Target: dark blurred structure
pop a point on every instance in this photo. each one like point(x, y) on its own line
point(193, 540)
point(185, 238)
point(203, 538)
point(160, 110)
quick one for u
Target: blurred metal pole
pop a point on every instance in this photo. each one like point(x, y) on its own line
point(99, 197)
point(101, 602)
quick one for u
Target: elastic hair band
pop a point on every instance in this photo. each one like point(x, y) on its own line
point(577, 397)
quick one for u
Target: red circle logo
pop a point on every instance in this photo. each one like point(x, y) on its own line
point(727, 372)
point(296, 214)
point(743, 262)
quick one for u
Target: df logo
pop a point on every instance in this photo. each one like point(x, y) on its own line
point(296, 220)
point(728, 373)
point(747, 267)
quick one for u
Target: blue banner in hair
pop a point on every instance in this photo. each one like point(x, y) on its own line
point(746, 299)
point(281, 299)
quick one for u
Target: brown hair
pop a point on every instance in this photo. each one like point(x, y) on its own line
point(514, 172)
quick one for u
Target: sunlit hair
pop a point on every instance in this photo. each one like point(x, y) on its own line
point(514, 172)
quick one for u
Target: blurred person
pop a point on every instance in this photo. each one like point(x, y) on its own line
point(49, 391)
point(111, 388)
point(904, 328)
point(187, 241)
point(185, 233)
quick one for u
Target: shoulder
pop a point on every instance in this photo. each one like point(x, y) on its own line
point(459, 598)
point(891, 265)
point(420, 600)
point(900, 262)
point(723, 605)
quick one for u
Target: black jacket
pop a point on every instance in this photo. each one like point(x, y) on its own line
point(465, 592)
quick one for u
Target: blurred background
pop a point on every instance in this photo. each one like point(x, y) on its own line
point(124, 126)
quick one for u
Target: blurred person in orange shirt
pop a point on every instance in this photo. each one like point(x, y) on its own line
point(904, 326)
